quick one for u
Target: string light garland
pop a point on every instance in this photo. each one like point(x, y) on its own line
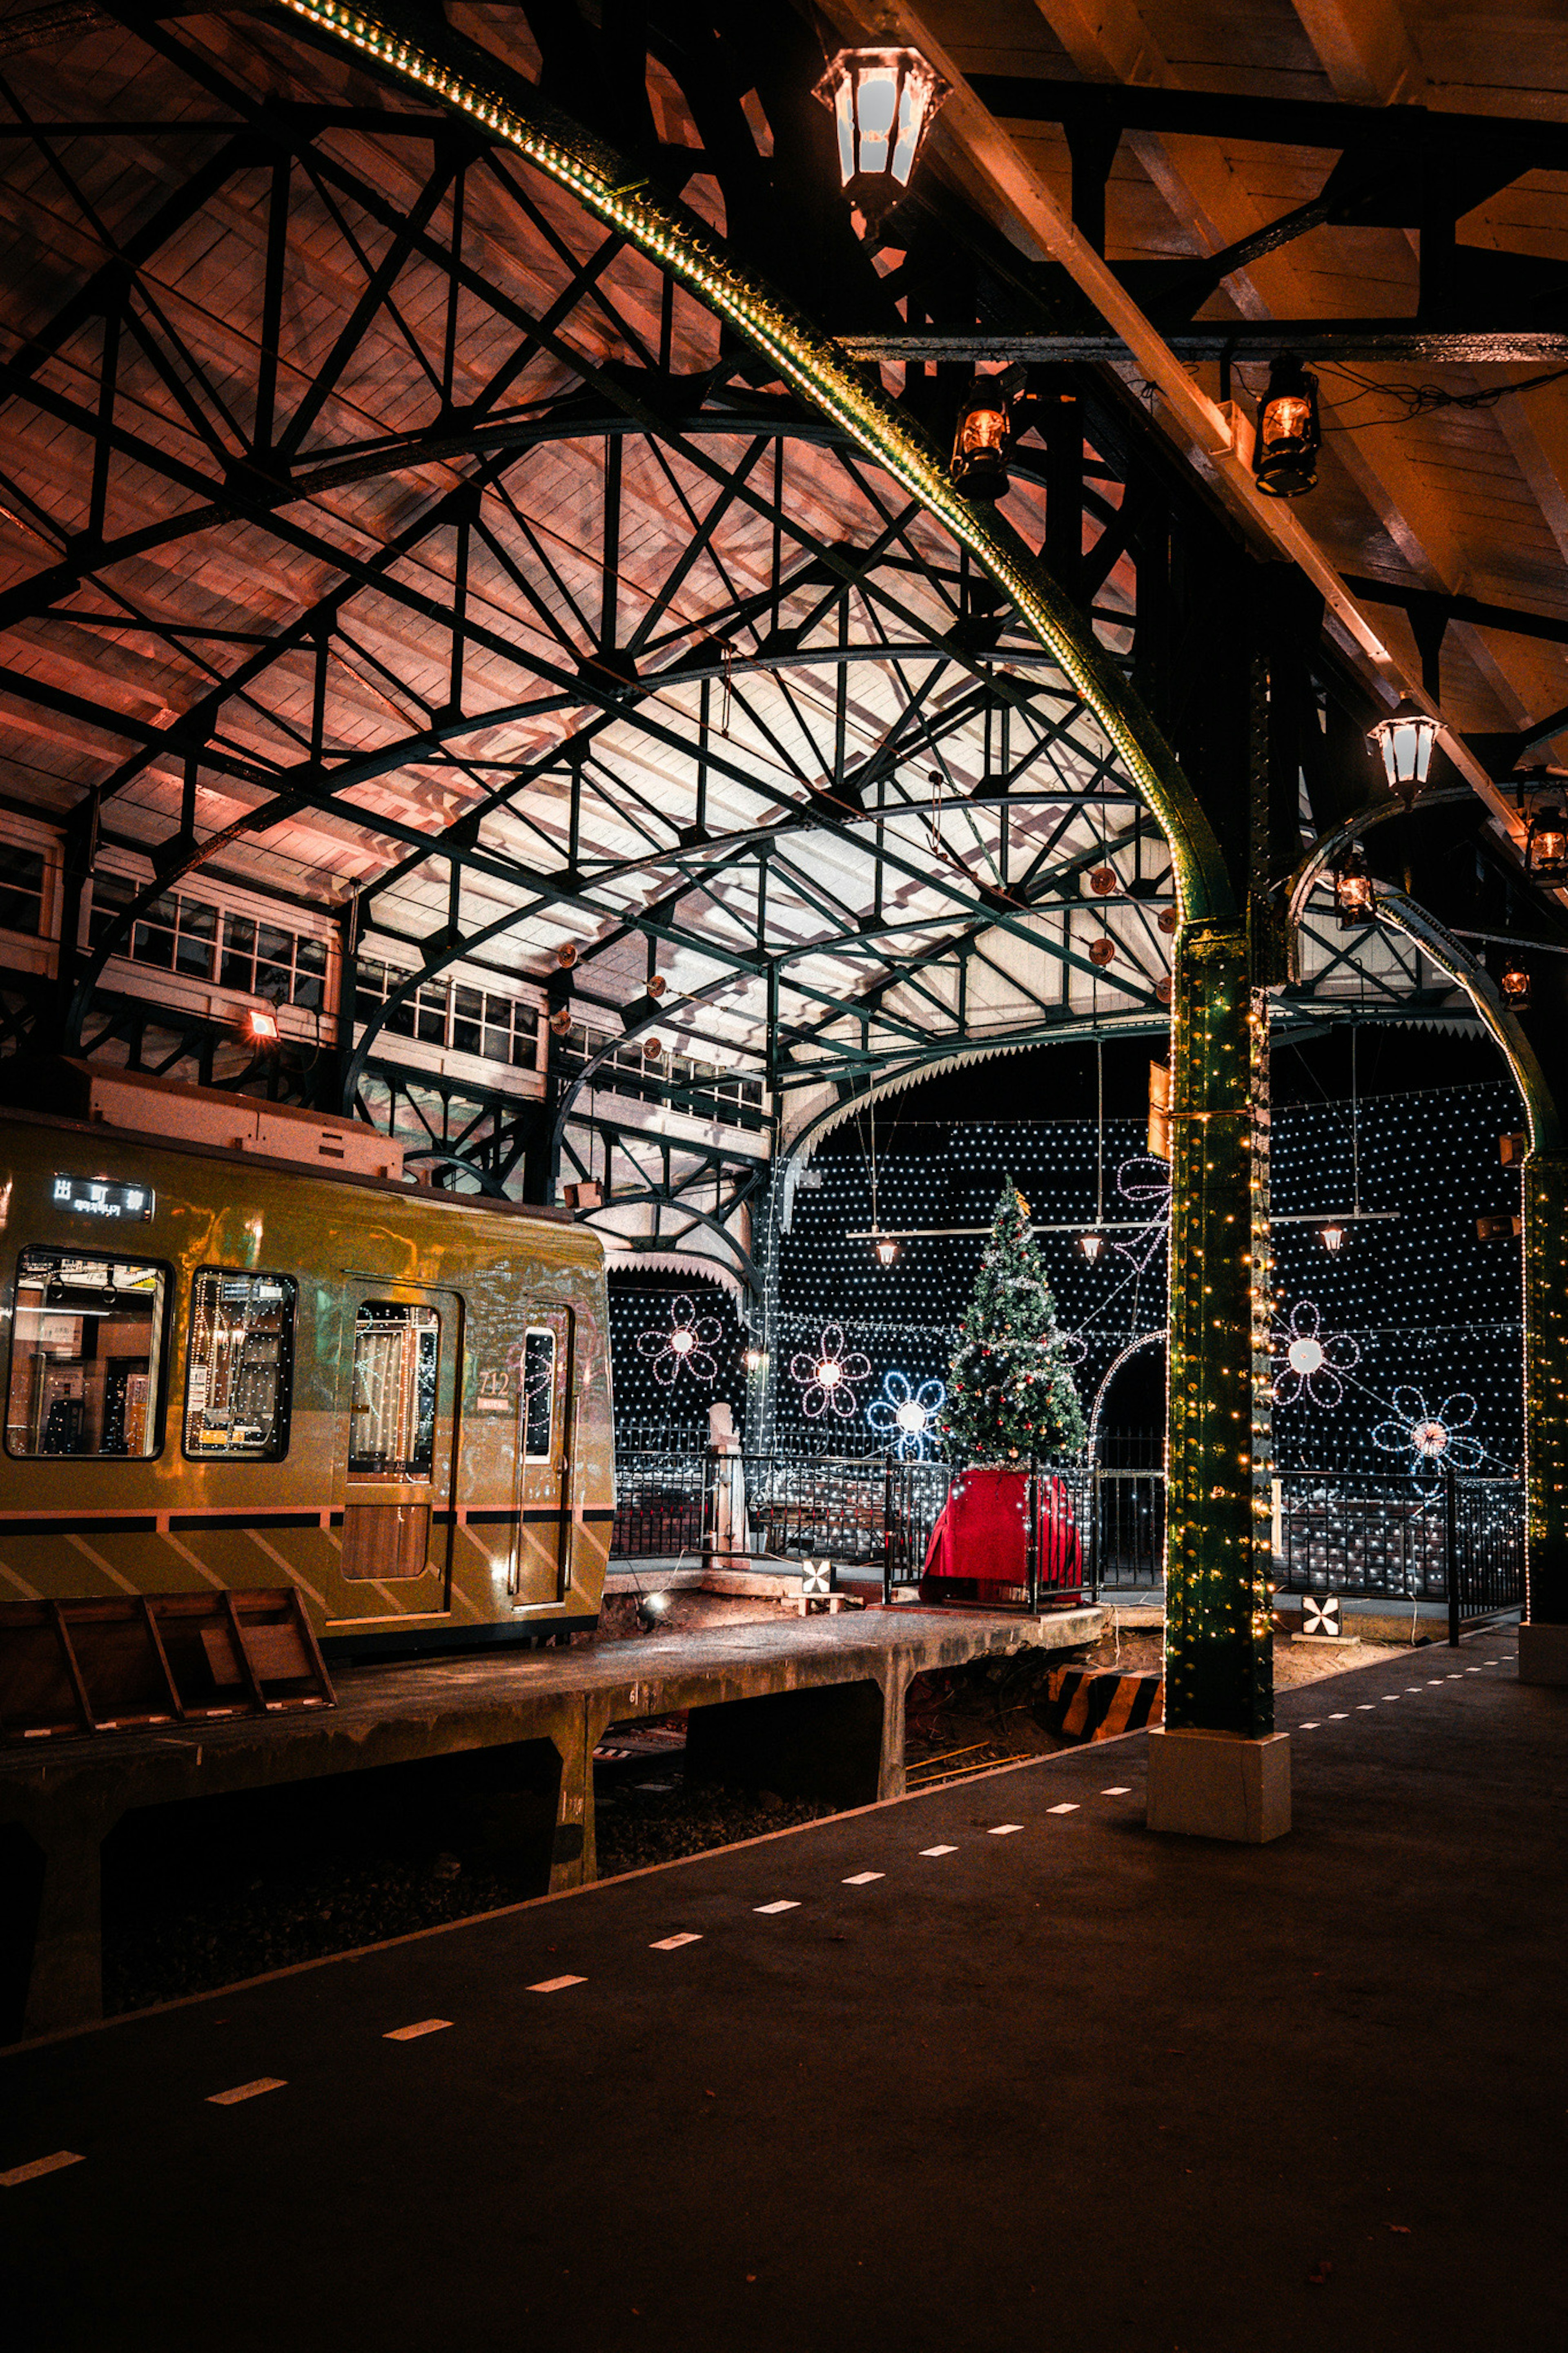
point(828, 1380)
point(684, 1344)
point(905, 1415)
point(1311, 1361)
point(1433, 1437)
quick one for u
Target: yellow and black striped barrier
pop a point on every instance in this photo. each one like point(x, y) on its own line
point(1086, 1704)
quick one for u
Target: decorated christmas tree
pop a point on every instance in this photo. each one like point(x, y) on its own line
point(1010, 1396)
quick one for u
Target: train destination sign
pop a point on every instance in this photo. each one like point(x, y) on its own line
point(95, 1197)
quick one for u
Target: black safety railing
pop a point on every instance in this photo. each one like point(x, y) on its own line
point(661, 1503)
point(1385, 1535)
point(1129, 1529)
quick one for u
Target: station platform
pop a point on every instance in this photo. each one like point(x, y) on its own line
point(816, 1702)
point(984, 2065)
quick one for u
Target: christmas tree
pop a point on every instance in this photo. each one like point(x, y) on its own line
point(1010, 1396)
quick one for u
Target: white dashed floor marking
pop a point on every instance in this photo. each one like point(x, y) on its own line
point(1388, 1695)
point(247, 2091)
point(1003, 1830)
point(1338, 1717)
point(40, 2165)
point(784, 1904)
point(864, 1878)
point(1061, 1809)
point(1120, 1790)
point(556, 1985)
point(939, 1850)
point(1415, 1687)
point(412, 2033)
point(673, 1944)
point(1364, 1707)
point(1316, 1724)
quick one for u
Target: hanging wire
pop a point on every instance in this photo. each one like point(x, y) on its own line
point(1099, 1122)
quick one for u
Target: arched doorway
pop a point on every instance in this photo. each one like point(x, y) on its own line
point(1127, 1448)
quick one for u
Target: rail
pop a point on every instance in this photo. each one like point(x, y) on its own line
point(1383, 1535)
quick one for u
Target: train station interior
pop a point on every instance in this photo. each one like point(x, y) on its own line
point(783, 1208)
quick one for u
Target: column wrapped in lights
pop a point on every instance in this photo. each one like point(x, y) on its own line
point(1545, 1198)
point(1218, 1644)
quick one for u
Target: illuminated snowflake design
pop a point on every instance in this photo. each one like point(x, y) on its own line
point(686, 1347)
point(827, 1378)
point(903, 1414)
point(1431, 1439)
point(1144, 1183)
point(1311, 1362)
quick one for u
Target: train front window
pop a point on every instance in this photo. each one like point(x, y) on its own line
point(86, 1353)
point(391, 1424)
point(240, 1365)
point(538, 1393)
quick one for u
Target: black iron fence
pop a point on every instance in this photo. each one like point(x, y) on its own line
point(1374, 1535)
point(1383, 1535)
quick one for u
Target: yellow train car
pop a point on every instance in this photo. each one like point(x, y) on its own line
point(239, 1352)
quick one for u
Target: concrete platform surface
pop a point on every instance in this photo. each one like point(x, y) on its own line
point(986, 2066)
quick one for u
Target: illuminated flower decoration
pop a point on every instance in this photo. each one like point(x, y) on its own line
point(686, 1347)
point(1144, 1183)
point(1310, 1362)
point(828, 1377)
point(1071, 1348)
point(1430, 1439)
point(903, 1415)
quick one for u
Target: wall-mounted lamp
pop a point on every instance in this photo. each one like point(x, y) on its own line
point(1546, 846)
point(1514, 982)
point(259, 1028)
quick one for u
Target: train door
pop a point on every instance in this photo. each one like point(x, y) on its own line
point(397, 1459)
point(544, 1458)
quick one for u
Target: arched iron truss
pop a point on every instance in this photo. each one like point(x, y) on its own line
point(452, 576)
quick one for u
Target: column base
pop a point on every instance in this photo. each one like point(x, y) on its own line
point(1543, 1654)
point(1219, 1785)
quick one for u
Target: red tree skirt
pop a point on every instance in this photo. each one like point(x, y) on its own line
point(983, 1539)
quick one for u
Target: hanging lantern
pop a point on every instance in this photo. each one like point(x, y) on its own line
point(755, 1360)
point(1092, 1245)
point(984, 435)
point(886, 1250)
point(1404, 736)
point(1285, 454)
point(1354, 894)
point(1546, 846)
point(1514, 983)
point(883, 101)
point(1332, 1235)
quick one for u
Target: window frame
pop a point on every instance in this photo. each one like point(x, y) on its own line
point(249, 1274)
point(162, 1317)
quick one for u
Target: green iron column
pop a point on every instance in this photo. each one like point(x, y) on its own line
point(1544, 1638)
point(1218, 1647)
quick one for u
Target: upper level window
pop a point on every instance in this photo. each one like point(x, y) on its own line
point(201, 942)
point(451, 1014)
point(86, 1354)
point(538, 1392)
point(239, 1371)
point(21, 890)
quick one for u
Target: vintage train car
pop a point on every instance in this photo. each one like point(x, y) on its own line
point(241, 1352)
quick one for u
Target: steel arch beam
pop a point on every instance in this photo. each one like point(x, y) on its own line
point(425, 53)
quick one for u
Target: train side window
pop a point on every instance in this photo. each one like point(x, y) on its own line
point(240, 1376)
point(86, 1356)
point(538, 1392)
point(392, 1421)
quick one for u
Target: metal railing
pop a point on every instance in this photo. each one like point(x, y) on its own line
point(662, 1504)
point(1379, 1533)
point(1129, 1529)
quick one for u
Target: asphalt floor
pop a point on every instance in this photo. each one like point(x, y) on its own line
point(989, 2065)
